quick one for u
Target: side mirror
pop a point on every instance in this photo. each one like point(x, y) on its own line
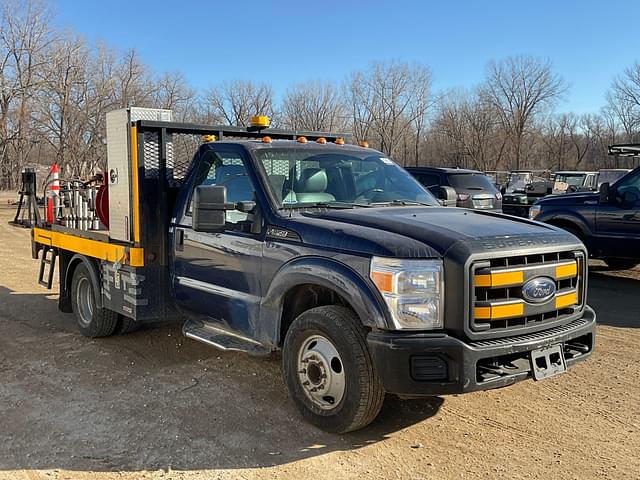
point(209, 207)
point(447, 196)
point(604, 192)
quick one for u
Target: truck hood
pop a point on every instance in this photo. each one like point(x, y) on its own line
point(578, 198)
point(413, 232)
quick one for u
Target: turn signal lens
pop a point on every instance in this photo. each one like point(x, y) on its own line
point(383, 280)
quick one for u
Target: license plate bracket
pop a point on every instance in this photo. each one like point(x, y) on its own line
point(547, 362)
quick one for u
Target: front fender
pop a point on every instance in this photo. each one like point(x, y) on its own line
point(558, 217)
point(328, 273)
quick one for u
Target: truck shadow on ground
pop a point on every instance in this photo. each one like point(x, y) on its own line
point(615, 299)
point(151, 400)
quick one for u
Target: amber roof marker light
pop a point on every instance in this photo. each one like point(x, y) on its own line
point(266, 139)
point(363, 144)
point(208, 138)
point(321, 140)
point(339, 141)
point(302, 140)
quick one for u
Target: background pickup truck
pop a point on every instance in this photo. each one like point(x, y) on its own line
point(608, 221)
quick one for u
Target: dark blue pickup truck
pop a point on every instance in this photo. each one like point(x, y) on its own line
point(269, 240)
point(607, 222)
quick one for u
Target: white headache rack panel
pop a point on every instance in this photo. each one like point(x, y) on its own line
point(119, 166)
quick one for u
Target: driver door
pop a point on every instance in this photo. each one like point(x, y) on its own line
point(217, 275)
point(618, 221)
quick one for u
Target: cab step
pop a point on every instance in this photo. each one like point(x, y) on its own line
point(222, 339)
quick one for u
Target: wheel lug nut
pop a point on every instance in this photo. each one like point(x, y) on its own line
point(305, 383)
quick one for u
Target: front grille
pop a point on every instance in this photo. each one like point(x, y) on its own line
point(523, 292)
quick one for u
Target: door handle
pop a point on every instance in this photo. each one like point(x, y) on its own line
point(179, 239)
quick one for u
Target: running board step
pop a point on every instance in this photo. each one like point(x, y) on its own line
point(222, 339)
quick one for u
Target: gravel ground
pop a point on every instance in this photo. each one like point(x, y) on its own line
point(153, 404)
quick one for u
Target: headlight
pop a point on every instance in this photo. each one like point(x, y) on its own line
point(413, 290)
point(534, 211)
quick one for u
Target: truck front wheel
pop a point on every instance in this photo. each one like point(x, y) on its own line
point(92, 321)
point(329, 372)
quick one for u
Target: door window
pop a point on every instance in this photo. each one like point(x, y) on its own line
point(628, 189)
point(228, 169)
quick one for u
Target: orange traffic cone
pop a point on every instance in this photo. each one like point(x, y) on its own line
point(53, 194)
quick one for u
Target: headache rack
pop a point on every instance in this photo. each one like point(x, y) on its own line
point(122, 218)
point(625, 149)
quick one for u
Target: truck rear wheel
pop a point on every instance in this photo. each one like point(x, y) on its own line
point(329, 372)
point(92, 321)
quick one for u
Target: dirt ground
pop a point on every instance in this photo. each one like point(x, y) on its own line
point(154, 404)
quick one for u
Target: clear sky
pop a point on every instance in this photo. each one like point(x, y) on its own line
point(287, 42)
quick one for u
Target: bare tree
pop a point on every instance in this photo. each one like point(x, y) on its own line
point(520, 88)
point(314, 106)
point(24, 36)
point(236, 102)
point(389, 102)
point(174, 93)
point(472, 128)
point(623, 100)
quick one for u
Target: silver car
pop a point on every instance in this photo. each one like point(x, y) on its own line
point(473, 188)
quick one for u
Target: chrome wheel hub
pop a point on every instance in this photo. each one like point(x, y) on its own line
point(321, 372)
point(85, 301)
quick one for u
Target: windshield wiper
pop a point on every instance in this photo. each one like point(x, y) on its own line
point(338, 205)
point(400, 203)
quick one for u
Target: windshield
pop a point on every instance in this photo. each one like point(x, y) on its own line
point(611, 176)
point(306, 177)
point(471, 181)
point(518, 181)
point(575, 179)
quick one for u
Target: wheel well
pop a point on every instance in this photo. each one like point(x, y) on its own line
point(68, 265)
point(305, 297)
point(569, 226)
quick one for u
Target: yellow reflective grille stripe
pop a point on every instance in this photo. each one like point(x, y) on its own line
point(483, 280)
point(499, 311)
point(499, 279)
point(91, 248)
point(482, 313)
point(567, 271)
point(566, 299)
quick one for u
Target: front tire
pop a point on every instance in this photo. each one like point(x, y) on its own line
point(329, 371)
point(92, 321)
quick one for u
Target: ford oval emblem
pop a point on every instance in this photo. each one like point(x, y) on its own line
point(539, 289)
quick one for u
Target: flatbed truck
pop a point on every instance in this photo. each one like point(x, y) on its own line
point(266, 240)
